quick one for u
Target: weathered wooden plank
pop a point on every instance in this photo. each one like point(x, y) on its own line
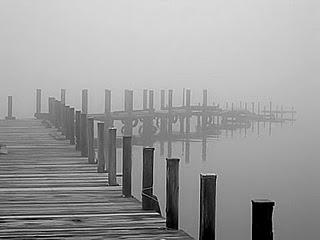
point(47, 191)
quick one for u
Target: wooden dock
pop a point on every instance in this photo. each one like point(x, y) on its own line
point(48, 191)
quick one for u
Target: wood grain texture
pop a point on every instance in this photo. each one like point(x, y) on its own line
point(48, 191)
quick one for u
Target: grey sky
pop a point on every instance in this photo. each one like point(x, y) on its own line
point(234, 48)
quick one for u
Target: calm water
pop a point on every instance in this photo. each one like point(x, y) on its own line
point(282, 167)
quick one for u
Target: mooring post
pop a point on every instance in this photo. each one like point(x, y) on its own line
point(172, 193)
point(151, 107)
point(67, 122)
point(85, 101)
point(90, 140)
point(145, 99)
point(107, 109)
point(10, 117)
point(204, 105)
point(183, 97)
point(170, 117)
point(77, 129)
point(83, 135)
point(72, 142)
point(126, 166)
point(101, 159)
point(38, 100)
point(128, 107)
point(51, 109)
point(147, 179)
point(162, 99)
point(188, 98)
point(63, 96)
point(112, 173)
point(262, 211)
point(207, 206)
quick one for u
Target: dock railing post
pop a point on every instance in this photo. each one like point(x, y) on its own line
point(162, 99)
point(85, 101)
point(38, 101)
point(126, 166)
point(112, 170)
point(10, 117)
point(71, 119)
point(77, 130)
point(207, 206)
point(147, 179)
point(83, 135)
point(172, 193)
point(101, 144)
point(145, 99)
point(67, 122)
point(151, 107)
point(90, 140)
point(262, 219)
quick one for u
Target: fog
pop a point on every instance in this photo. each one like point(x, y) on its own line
point(238, 50)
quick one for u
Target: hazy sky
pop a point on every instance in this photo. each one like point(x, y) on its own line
point(236, 49)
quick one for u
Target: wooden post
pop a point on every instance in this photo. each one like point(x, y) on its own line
point(170, 117)
point(10, 117)
point(107, 109)
point(183, 96)
point(77, 129)
point(67, 122)
point(63, 96)
point(71, 111)
point(112, 173)
point(207, 206)
point(145, 99)
point(172, 193)
point(128, 107)
point(188, 97)
point(38, 101)
point(205, 98)
point(126, 166)
point(85, 101)
point(90, 140)
point(147, 179)
point(162, 99)
point(262, 219)
point(83, 135)
point(101, 158)
point(151, 107)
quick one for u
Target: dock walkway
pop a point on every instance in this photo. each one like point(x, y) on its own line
point(47, 191)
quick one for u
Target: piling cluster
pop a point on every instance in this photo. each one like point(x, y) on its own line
point(78, 128)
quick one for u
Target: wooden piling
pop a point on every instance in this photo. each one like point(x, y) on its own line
point(207, 206)
point(112, 170)
point(77, 130)
point(151, 107)
point(101, 144)
point(126, 166)
point(90, 140)
point(71, 112)
point(63, 96)
point(67, 122)
point(170, 117)
point(162, 99)
point(145, 99)
point(85, 101)
point(83, 135)
point(147, 179)
point(38, 101)
point(172, 193)
point(10, 117)
point(262, 211)
point(128, 107)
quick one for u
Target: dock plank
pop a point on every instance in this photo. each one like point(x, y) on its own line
point(48, 191)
